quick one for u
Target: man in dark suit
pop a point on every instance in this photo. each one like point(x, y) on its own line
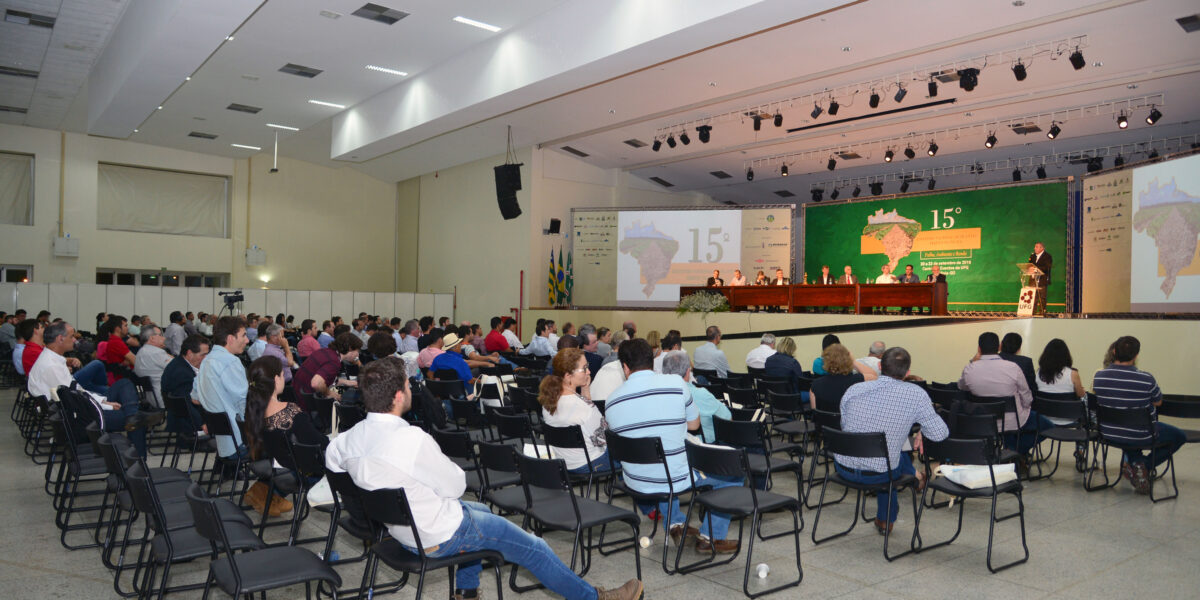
point(1010, 346)
point(848, 276)
point(715, 280)
point(1042, 260)
point(936, 275)
point(779, 278)
point(826, 277)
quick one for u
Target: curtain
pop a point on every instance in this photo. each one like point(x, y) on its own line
point(158, 201)
point(16, 189)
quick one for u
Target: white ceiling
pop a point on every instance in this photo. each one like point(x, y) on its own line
point(705, 66)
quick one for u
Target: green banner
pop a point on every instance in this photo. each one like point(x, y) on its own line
point(976, 237)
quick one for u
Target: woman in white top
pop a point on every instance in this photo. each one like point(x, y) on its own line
point(1056, 375)
point(563, 407)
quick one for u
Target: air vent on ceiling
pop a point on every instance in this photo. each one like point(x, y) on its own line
point(945, 75)
point(383, 14)
point(329, 14)
point(21, 17)
point(13, 109)
point(202, 135)
point(720, 174)
point(784, 194)
point(1189, 23)
point(301, 70)
point(1025, 128)
point(244, 108)
point(848, 155)
point(15, 72)
point(576, 151)
point(662, 182)
point(636, 143)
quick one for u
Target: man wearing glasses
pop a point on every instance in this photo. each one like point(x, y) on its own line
point(152, 359)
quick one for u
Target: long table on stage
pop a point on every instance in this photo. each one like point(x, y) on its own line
point(859, 296)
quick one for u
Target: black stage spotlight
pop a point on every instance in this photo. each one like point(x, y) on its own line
point(1054, 131)
point(1119, 161)
point(1122, 121)
point(888, 156)
point(933, 148)
point(816, 111)
point(904, 186)
point(704, 131)
point(778, 120)
point(834, 194)
point(1153, 154)
point(757, 122)
point(932, 88)
point(1019, 71)
point(818, 194)
point(833, 106)
point(683, 137)
point(876, 188)
point(1041, 172)
point(1095, 163)
point(783, 170)
point(932, 183)
point(857, 190)
point(657, 145)
point(750, 174)
point(1153, 117)
point(1077, 60)
point(671, 140)
point(968, 78)
point(832, 164)
point(900, 94)
point(874, 102)
point(990, 141)
point(910, 153)
point(1016, 174)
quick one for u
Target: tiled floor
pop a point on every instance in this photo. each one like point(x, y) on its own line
point(1107, 544)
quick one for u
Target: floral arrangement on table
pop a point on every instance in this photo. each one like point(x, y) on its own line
point(702, 302)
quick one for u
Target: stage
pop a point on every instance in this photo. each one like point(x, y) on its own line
point(940, 346)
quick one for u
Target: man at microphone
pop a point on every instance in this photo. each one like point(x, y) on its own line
point(1042, 260)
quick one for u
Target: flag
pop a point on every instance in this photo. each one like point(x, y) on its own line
point(570, 276)
point(551, 283)
point(562, 276)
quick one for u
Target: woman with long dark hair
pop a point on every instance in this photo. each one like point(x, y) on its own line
point(562, 406)
point(266, 412)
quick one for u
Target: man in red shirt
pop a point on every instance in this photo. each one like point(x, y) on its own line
point(117, 352)
point(495, 342)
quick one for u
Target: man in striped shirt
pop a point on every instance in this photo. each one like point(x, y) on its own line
point(652, 405)
point(1122, 385)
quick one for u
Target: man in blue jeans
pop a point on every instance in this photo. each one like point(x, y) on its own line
point(1122, 385)
point(385, 452)
point(889, 405)
point(653, 405)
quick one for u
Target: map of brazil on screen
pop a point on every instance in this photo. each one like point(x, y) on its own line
point(1165, 260)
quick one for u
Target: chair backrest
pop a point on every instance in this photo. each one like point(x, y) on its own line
point(467, 412)
point(456, 444)
point(142, 493)
point(497, 371)
point(546, 473)
point(498, 457)
point(515, 427)
point(217, 422)
point(446, 375)
point(785, 403)
point(390, 506)
point(747, 397)
point(1070, 408)
point(638, 451)
point(710, 374)
point(275, 446)
point(953, 385)
point(1180, 405)
point(978, 451)
point(108, 451)
point(743, 414)
point(975, 426)
point(827, 420)
point(716, 460)
point(942, 396)
point(177, 406)
point(1056, 395)
point(743, 434)
point(858, 445)
point(349, 415)
point(308, 458)
point(755, 370)
point(1139, 420)
point(570, 436)
point(207, 521)
point(527, 382)
point(446, 390)
point(321, 409)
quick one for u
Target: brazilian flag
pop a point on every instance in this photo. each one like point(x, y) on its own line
point(552, 282)
point(562, 276)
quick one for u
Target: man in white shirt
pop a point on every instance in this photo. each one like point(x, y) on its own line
point(510, 334)
point(540, 344)
point(886, 276)
point(152, 359)
point(385, 452)
point(708, 356)
point(175, 333)
point(738, 278)
point(120, 413)
point(757, 358)
point(871, 361)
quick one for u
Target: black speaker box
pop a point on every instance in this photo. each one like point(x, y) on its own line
point(555, 227)
point(508, 181)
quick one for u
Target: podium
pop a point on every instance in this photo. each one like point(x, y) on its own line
point(1027, 300)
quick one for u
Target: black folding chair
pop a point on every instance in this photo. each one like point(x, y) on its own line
point(1077, 431)
point(820, 456)
point(970, 452)
point(739, 502)
point(863, 445)
point(1181, 406)
point(1130, 419)
point(572, 437)
point(640, 451)
point(390, 507)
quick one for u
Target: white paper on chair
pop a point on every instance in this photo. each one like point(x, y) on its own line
point(532, 452)
point(976, 476)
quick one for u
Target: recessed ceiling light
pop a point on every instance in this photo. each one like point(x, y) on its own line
point(387, 70)
point(135, 131)
point(229, 38)
point(159, 107)
point(245, 146)
point(474, 23)
point(329, 104)
point(188, 78)
point(283, 127)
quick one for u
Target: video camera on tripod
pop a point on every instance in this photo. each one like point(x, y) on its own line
point(232, 298)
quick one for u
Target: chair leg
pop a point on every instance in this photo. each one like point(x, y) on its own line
point(918, 545)
point(1100, 463)
point(797, 522)
point(992, 530)
point(858, 500)
point(1170, 468)
point(887, 533)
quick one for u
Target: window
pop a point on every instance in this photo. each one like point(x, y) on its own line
point(104, 277)
point(159, 278)
point(125, 279)
point(16, 189)
point(149, 279)
point(160, 201)
point(16, 273)
point(193, 281)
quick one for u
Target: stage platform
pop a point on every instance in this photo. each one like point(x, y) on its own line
point(940, 346)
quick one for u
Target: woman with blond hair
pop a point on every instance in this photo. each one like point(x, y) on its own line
point(783, 365)
point(827, 390)
point(563, 406)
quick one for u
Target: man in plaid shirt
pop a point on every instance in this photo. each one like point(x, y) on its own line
point(889, 405)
